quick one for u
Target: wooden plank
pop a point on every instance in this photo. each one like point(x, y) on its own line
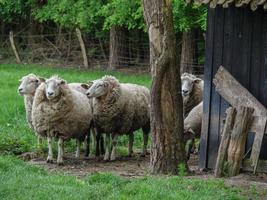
point(214, 129)
point(262, 166)
point(227, 56)
point(233, 92)
point(203, 154)
point(256, 148)
point(236, 150)
point(226, 135)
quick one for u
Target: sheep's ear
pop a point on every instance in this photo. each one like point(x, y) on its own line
point(85, 86)
point(105, 83)
point(41, 79)
point(63, 82)
point(197, 80)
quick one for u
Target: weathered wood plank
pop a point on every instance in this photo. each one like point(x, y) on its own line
point(203, 154)
point(262, 166)
point(233, 92)
point(256, 148)
point(237, 143)
point(226, 135)
point(214, 129)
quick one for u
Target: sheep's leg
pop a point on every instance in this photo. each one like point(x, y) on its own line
point(87, 145)
point(107, 144)
point(102, 146)
point(188, 148)
point(130, 146)
point(60, 151)
point(39, 141)
point(78, 146)
point(114, 143)
point(144, 150)
point(97, 143)
point(50, 150)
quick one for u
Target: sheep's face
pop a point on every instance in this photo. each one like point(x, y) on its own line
point(52, 87)
point(188, 84)
point(98, 89)
point(29, 84)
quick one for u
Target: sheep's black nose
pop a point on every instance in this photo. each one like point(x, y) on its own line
point(50, 93)
point(87, 93)
point(20, 89)
point(185, 91)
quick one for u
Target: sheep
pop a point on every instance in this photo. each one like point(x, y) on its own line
point(27, 88)
point(192, 92)
point(192, 126)
point(60, 112)
point(120, 109)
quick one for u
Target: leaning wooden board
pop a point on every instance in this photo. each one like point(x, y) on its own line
point(233, 92)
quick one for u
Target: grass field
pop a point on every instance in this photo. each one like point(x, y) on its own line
point(19, 180)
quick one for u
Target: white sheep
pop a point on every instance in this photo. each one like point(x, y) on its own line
point(60, 112)
point(120, 109)
point(192, 126)
point(192, 91)
point(27, 88)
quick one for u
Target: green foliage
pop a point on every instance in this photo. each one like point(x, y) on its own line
point(188, 16)
point(19, 180)
point(127, 13)
point(15, 135)
point(70, 13)
point(15, 9)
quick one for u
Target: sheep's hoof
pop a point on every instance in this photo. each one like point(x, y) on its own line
point(60, 163)
point(49, 161)
point(112, 158)
point(106, 159)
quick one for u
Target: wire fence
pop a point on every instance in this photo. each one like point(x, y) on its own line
point(64, 49)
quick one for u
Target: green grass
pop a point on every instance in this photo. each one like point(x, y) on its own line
point(19, 180)
point(15, 135)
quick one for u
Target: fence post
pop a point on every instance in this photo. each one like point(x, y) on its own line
point(13, 46)
point(85, 59)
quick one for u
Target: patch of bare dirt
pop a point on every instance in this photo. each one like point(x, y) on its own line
point(134, 166)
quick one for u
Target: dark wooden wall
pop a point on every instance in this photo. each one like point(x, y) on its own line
point(237, 39)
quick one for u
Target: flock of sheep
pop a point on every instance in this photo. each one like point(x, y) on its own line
point(57, 109)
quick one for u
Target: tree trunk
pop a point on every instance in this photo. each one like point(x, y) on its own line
point(167, 150)
point(118, 47)
point(188, 54)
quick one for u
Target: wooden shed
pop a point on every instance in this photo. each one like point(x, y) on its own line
point(237, 39)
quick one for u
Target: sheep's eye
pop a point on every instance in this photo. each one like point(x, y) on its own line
point(99, 86)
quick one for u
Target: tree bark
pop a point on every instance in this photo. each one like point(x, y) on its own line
point(82, 45)
point(188, 53)
point(167, 150)
point(118, 47)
